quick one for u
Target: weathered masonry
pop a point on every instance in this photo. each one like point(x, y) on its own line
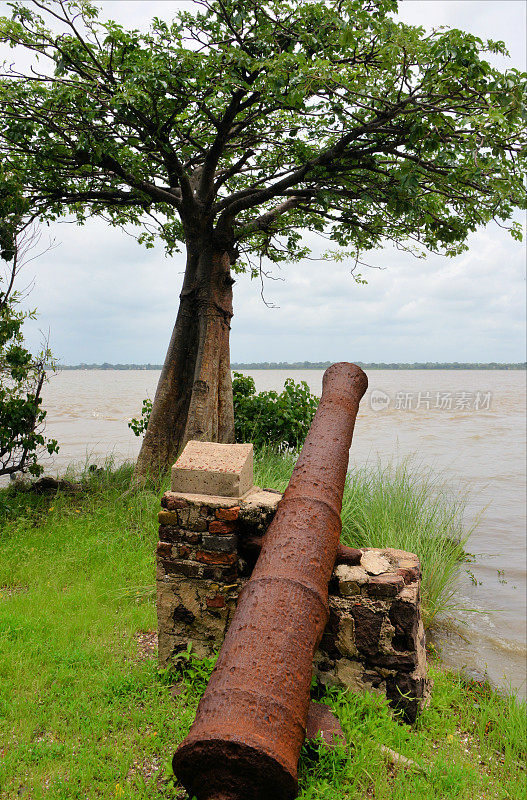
point(211, 530)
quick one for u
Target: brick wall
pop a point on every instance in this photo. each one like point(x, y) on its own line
point(374, 639)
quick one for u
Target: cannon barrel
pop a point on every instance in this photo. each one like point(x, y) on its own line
point(250, 724)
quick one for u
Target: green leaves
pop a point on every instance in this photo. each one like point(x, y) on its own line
point(139, 426)
point(272, 419)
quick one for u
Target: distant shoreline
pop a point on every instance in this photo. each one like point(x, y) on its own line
point(305, 365)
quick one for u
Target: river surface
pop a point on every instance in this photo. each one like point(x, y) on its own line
point(469, 426)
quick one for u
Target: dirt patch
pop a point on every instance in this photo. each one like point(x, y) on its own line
point(147, 768)
point(10, 591)
point(146, 645)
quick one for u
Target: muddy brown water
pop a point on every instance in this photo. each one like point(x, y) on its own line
point(469, 426)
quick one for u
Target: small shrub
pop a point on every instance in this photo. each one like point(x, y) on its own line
point(272, 419)
point(139, 426)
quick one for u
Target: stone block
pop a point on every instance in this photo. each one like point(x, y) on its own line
point(221, 544)
point(219, 527)
point(348, 555)
point(374, 562)
point(193, 519)
point(209, 468)
point(205, 502)
point(215, 558)
point(171, 533)
point(387, 585)
point(407, 693)
point(188, 569)
point(164, 549)
point(403, 662)
point(228, 514)
point(404, 616)
point(218, 601)
point(409, 575)
point(168, 518)
point(350, 579)
point(171, 502)
point(368, 624)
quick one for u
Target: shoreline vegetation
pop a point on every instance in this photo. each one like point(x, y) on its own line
point(316, 365)
point(84, 711)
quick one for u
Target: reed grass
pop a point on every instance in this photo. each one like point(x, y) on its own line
point(408, 509)
point(403, 506)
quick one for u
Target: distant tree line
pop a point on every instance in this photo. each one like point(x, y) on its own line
point(381, 365)
point(319, 365)
point(110, 366)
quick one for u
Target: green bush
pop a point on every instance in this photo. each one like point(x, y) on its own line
point(272, 419)
point(266, 419)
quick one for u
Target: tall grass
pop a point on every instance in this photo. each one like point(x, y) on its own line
point(408, 509)
point(272, 469)
point(398, 506)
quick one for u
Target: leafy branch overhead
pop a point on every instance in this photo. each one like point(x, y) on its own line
point(259, 120)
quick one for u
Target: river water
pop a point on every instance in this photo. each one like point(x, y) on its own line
point(467, 425)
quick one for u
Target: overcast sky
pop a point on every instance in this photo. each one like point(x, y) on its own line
point(104, 298)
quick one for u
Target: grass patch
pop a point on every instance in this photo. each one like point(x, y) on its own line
point(395, 507)
point(85, 714)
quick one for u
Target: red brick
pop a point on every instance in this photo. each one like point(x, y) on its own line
point(215, 602)
point(228, 514)
point(164, 549)
point(171, 503)
point(215, 558)
point(387, 585)
point(221, 527)
point(410, 575)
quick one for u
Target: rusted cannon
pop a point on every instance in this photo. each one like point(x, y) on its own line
point(251, 722)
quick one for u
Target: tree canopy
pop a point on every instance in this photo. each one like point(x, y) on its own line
point(269, 118)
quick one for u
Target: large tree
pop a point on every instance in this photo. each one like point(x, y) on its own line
point(234, 128)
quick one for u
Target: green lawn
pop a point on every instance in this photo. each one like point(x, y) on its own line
point(85, 714)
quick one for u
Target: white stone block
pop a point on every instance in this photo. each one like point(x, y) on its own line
point(208, 468)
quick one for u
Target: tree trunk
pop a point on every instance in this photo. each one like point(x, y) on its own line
point(193, 399)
